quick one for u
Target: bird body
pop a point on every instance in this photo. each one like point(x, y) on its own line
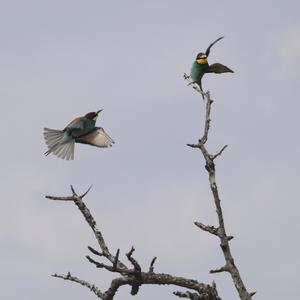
point(201, 66)
point(81, 130)
point(80, 126)
point(197, 72)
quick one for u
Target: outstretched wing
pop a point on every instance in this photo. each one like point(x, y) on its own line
point(208, 49)
point(98, 138)
point(218, 68)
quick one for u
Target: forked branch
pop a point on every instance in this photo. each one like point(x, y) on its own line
point(220, 231)
point(133, 276)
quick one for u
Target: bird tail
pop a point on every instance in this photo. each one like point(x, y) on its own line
point(53, 140)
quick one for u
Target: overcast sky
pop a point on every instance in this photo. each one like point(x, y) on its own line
point(60, 59)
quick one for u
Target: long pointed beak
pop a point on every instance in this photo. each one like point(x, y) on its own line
point(97, 112)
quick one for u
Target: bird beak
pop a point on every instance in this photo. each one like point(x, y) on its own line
point(97, 112)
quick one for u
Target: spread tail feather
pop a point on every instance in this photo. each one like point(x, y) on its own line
point(53, 138)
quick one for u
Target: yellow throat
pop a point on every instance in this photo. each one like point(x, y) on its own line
point(202, 61)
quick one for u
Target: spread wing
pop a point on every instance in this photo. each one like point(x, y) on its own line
point(208, 49)
point(97, 138)
point(218, 68)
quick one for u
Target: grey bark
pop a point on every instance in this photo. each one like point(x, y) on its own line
point(220, 231)
point(132, 276)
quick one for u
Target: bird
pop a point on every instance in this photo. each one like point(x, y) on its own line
point(81, 130)
point(201, 66)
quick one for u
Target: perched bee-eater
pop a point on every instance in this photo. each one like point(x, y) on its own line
point(201, 66)
point(81, 130)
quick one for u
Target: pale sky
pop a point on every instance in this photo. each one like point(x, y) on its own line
point(62, 59)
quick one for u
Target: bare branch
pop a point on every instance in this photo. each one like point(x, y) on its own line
point(115, 284)
point(95, 251)
point(219, 152)
point(73, 191)
point(91, 221)
point(213, 294)
point(193, 145)
point(135, 264)
point(222, 269)
point(210, 229)
point(84, 194)
point(90, 286)
point(111, 268)
point(193, 84)
point(60, 198)
point(133, 277)
point(206, 291)
point(100, 265)
point(220, 232)
point(151, 268)
point(115, 264)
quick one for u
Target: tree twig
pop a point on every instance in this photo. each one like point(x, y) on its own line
point(92, 287)
point(151, 268)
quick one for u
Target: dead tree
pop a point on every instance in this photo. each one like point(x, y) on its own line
point(132, 274)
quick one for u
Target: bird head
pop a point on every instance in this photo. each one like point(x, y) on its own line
point(201, 58)
point(93, 115)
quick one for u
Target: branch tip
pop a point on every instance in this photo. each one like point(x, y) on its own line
point(73, 191)
point(115, 264)
point(135, 289)
point(193, 145)
point(84, 194)
point(219, 152)
point(97, 264)
point(210, 229)
point(95, 251)
point(90, 286)
point(135, 264)
point(130, 252)
point(151, 268)
point(222, 269)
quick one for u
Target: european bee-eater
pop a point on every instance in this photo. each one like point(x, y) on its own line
point(81, 130)
point(201, 66)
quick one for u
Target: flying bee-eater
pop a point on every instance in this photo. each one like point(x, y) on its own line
point(201, 66)
point(81, 130)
